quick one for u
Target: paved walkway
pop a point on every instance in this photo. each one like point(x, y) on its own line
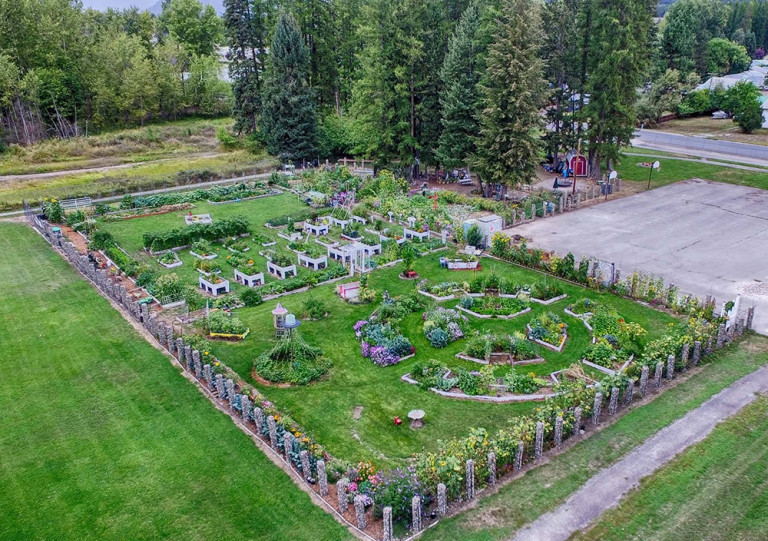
point(606, 489)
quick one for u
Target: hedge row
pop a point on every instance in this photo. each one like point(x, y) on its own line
point(187, 235)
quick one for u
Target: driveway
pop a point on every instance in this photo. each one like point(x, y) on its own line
point(705, 237)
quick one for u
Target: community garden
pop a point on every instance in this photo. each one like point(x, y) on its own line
point(426, 367)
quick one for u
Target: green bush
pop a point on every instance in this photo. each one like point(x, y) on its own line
point(220, 322)
point(251, 297)
point(185, 236)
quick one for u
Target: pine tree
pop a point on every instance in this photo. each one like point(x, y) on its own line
point(618, 57)
point(288, 119)
point(459, 99)
point(246, 31)
point(514, 90)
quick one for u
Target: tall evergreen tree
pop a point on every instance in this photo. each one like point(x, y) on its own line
point(514, 90)
point(459, 99)
point(618, 58)
point(288, 119)
point(245, 26)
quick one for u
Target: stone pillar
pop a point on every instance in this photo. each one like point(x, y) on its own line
point(208, 375)
point(750, 317)
point(145, 312)
point(188, 358)
point(180, 349)
point(442, 500)
point(613, 402)
point(596, 407)
point(219, 382)
point(387, 518)
point(491, 468)
point(558, 431)
point(245, 405)
point(629, 394)
point(470, 479)
point(272, 431)
point(685, 354)
point(258, 418)
point(538, 449)
point(696, 352)
point(708, 349)
point(577, 421)
point(560, 204)
point(720, 336)
point(287, 445)
point(644, 381)
point(362, 522)
point(169, 338)
point(658, 373)
point(519, 452)
point(306, 468)
point(341, 494)
point(533, 211)
point(670, 367)
point(230, 386)
point(322, 478)
point(198, 365)
point(416, 513)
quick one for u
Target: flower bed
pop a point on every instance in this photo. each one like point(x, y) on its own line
point(507, 349)
point(221, 325)
point(547, 292)
point(379, 335)
point(202, 250)
point(486, 307)
point(549, 331)
point(411, 234)
point(443, 326)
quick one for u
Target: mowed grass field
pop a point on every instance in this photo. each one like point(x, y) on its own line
point(716, 490)
point(703, 491)
point(102, 438)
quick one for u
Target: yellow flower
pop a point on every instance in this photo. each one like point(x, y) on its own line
point(442, 463)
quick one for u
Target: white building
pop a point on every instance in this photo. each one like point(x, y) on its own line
point(755, 74)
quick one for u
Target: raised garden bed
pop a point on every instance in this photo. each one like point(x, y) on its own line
point(411, 234)
point(170, 260)
point(199, 256)
point(547, 302)
point(214, 287)
point(193, 219)
point(459, 264)
point(318, 229)
point(249, 280)
point(486, 307)
point(281, 272)
point(547, 329)
point(314, 263)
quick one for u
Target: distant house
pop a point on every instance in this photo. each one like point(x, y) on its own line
point(755, 74)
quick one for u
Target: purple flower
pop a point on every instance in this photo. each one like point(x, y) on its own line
point(366, 349)
point(352, 487)
point(358, 326)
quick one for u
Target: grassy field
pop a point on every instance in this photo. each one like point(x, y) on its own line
point(724, 129)
point(103, 439)
point(326, 408)
point(543, 488)
point(159, 155)
point(716, 490)
point(677, 170)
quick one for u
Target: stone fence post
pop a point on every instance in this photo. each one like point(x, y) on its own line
point(644, 381)
point(442, 500)
point(387, 517)
point(470, 479)
point(596, 407)
point(359, 501)
point(658, 373)
point(416, 514)
point(670, 367)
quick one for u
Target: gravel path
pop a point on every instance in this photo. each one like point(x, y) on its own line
point(606, 489)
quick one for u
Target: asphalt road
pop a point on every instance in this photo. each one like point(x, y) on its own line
point(699, 146)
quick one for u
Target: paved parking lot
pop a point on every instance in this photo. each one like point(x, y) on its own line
point(705, 237)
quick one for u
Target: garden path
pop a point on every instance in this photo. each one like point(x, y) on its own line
point(606, 489)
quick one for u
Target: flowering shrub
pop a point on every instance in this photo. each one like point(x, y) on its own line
point(546, 290)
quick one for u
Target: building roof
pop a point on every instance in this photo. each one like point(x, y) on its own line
point(755, 74)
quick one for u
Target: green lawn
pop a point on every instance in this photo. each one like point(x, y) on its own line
point(677, 170)
point(715, 490)
point(102, 438)
point(545, 487)
point(325, 408)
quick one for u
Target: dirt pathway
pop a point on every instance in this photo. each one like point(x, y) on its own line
point(606, 489)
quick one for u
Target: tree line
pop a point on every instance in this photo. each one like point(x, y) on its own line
point(493, 85)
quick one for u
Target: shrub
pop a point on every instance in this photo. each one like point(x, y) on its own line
point(101, 239)
point(251, 297)
point(474, 237)
point(315, 308)
point(438, 338)
point(220, 322)
point(190, 234)
point(397, 489)
point(168, 285)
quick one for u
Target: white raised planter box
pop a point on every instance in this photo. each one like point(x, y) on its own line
point(268, 244)
point(553, 300)
point(316, 229)
point(370, 249)
point(314, 263)
point(208, 257)
point(436, 298)
point(339, 222)
point(547, 345)
point(198, 219)
point(412, 234)
point(246, 249)
point(212, 288)
point(281, 272)
point(249, 280)
point(457, 264)
point(359, 219)
point(339, 253)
